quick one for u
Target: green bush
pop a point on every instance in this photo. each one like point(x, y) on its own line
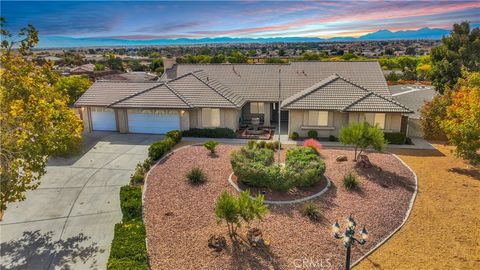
point(350, 181)
point(312, 134)
point(131, 202)
point(210, 133)
point(211, 145)
point(196, 176)
point(273, 145)
point(175, 135)
point(128, 246)
point(294, 136)
point(306, 167)
point(395, 137)
point(251, 144)
point(160, 148)
point(311, 211)
point(261, 144)
point(332, 138)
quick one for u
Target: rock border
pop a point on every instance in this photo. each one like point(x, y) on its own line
point(304, 199)
point(407, 215)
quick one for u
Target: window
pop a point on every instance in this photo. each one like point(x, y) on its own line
point(210, 117)
point(257, 107)
point(376, 119)
point(317, 118)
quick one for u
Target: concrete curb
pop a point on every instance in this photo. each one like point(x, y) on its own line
point(285, 202)
point(407, 215)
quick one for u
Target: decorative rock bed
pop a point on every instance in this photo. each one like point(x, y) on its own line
point(180, 218)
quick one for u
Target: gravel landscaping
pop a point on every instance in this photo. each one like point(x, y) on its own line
point(180, 217)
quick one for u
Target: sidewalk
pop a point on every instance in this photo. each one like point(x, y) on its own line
point(418, 143)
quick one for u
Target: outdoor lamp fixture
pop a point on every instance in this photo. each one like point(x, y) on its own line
point(348, 236)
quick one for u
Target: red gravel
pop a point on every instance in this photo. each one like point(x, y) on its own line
point(180, 218)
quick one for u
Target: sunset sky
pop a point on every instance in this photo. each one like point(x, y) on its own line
point(150, 20)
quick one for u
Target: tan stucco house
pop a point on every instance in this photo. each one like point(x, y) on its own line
point(322, 96)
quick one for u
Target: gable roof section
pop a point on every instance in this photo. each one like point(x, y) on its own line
point(338, 93)
point(261, 82)
point(160, 96)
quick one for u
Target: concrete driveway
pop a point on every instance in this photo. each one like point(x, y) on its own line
point(67, 223)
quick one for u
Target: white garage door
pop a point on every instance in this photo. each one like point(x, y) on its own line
point(103, 119)
point(153, 121)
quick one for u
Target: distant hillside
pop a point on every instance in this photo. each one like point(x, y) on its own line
point(55, 41)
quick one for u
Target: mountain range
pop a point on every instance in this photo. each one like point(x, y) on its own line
point(63, 42)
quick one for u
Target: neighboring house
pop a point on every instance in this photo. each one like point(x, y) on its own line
point(413, 96)
point(135, 76)
point(83, 69)
point(322, 96)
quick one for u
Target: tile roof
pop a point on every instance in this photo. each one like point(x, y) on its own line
point(338, 93)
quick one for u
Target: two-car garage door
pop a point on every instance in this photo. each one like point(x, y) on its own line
point(152, 121)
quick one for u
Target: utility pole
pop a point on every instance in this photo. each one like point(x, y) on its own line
point(279, 114)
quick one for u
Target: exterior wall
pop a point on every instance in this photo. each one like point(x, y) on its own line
point(122, 120)
point(298, 122)
point(87, 119)
point(414, 128)
point(229, 118)
point(184, 120)
point(393, 121)
point(246, 115)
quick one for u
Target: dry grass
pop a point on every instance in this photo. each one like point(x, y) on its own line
point(443, 231)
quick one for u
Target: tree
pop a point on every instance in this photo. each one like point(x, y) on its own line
point(410, 51)
point(73, 86)
point(157, 65)
point(35, 120)
point(460, 49)
point(99, 67)
point(431, 115)
point(361, 136)
point(462, 122)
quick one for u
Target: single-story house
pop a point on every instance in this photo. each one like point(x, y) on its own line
point(322, 96)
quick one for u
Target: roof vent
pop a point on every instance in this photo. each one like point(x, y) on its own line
point(303, 71)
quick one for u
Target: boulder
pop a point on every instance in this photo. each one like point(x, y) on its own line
point(217, 243)
point(341, 158)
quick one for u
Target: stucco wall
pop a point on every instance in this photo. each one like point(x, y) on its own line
point(393, 121)
point(184, 120)
point(246, 115)
point(298, 122)
point(122, 120)
point(86, 117)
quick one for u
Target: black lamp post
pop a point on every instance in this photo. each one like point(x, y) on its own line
point(349, 236)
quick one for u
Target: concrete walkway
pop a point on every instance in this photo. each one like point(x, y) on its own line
point(67, 223)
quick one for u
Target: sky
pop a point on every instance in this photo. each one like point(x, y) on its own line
point(252, 19)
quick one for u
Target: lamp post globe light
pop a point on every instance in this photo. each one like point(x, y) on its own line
point(349, 237)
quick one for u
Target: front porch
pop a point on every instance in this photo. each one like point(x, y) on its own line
point(267, 115)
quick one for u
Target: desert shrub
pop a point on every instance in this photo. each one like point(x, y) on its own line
point(128, 246)
point(394, 137)
point(210, 133)
point(312, 211)
point(131, 202)
point(233, 210)
point(332, 138)
point(175, 135)
point(294, 136)
point(314, 144)
point(361, 136)
point(251, 165)
point(261, 144)
point(272, 145)
point(350, 181)
point(160, 148)
point(211, 145)
point(312, 134)
point(304, 166)
point(137, 178)
point(251, 144)
point(196, 176)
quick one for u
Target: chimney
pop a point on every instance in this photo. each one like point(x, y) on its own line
point(169, 62)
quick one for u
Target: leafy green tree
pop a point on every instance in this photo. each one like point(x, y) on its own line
point(157, 65)
point(460, 49)
point(35, 120)
point(73, 86)
point(237, 57)
point(99, 67)
point(218, 58)
point(462, 121)
point(349, 56)
point(361, 136)
point(251, 209)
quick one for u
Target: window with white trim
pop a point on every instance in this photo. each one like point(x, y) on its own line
point(257, 107)
point(318, 118)
point(210, 117)
point(376, 119)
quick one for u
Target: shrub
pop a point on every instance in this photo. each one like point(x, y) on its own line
point(210, 133)
point(137, 178)
point(350, 181)
point(273, 145)
point(196, 176)
point(314, 144)
point(128, 246)
point(394, 137)
point(304, 166)
point(311, 211)
point(131, 202)
point(160, 148)
point(332, 138)
point(211, 145)
point(261, 144)
point(251, 144)
point(361, 136)
point(175, 135)
point(294, 136)
point(312, 134)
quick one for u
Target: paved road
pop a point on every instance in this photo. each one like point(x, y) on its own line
point(67, 223)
